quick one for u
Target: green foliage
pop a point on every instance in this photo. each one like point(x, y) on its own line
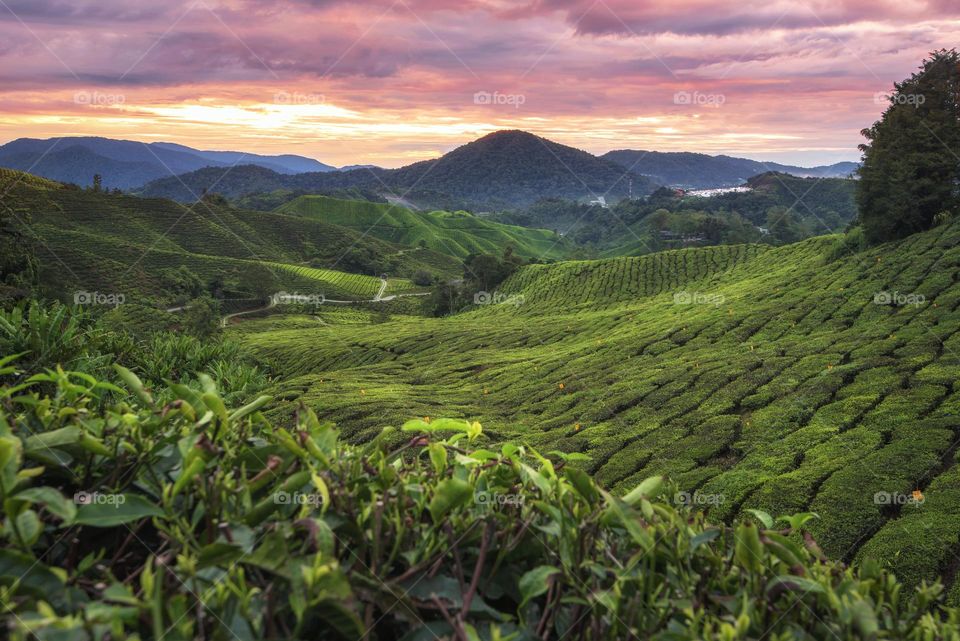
point(458, 234)
point(51, 336)
point(192, 519)
point(909, 177)
point(762, 375)
point(154, 251)
point(18, 265)
point(48, 337)
point(482, 274)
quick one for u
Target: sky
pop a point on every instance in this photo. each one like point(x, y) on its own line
point(389, 82)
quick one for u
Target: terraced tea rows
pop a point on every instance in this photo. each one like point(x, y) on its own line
point(105, 242)
point(455, 233)
point(756, 378)
point(356, 285)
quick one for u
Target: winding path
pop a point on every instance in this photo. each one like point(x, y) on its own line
point(377, 298)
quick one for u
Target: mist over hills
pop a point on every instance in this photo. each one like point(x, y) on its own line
point(502, 169)
point(700, 171)
point(125, 164)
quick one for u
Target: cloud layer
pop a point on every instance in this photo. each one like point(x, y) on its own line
point(391, 81)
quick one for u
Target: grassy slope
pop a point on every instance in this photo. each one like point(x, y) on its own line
point(796, 392)
point(114, 243)
point(455, 233)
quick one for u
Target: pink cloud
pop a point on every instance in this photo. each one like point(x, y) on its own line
point(804, 69)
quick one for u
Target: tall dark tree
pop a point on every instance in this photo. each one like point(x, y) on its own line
point(911, 163)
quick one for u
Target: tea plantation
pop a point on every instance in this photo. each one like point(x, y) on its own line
point(755, 377)
point(456, 233)
point(103, 242)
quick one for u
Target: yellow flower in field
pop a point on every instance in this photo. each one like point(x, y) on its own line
point(561, 386)
point(363, 392)
point(829, 366)
point(426, 419)
point(486, 391)
point(576, 427)
point(917, 496)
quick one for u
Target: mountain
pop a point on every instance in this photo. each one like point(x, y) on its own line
point(501, 170)
point(700, 171)
point(125, 163)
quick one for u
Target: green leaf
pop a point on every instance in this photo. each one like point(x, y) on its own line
point(650, 488)
point(51, 499)
point(250, 408)
point(438, 457)
point(449, 494)
point(135, 384)
point(763, 517)
point(582, 483)
point(865, 620)
point(29, 526)
point(222, 554)
point(795, 584)
point(535, 582)
point(704, 537)
point(340, 618)
point(56, 438)
point(34, 577)
point(116, 509)
point(748, 550)
point(797, 521)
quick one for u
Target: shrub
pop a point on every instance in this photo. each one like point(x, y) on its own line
point(192, 520)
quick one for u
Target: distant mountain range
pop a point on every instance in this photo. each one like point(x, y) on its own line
point(700, 171)
point(126, 164)
point(503, 169)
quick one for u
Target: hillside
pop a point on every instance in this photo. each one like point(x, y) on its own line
point(755, 377)
point(501, 170)
point(700, 171)
point(458, 234)
point(88, 241)
point(125, 163)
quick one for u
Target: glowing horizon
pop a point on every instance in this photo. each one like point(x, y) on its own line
point(390, 83)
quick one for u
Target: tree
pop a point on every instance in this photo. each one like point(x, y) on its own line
point(97, 183)
point(422, 278)
point(911, 167)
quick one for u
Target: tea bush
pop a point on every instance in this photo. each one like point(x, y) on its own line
point(125, 517)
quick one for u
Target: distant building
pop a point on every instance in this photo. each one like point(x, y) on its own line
point(600, 200)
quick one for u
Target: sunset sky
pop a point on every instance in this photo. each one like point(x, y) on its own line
point(389, 82)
